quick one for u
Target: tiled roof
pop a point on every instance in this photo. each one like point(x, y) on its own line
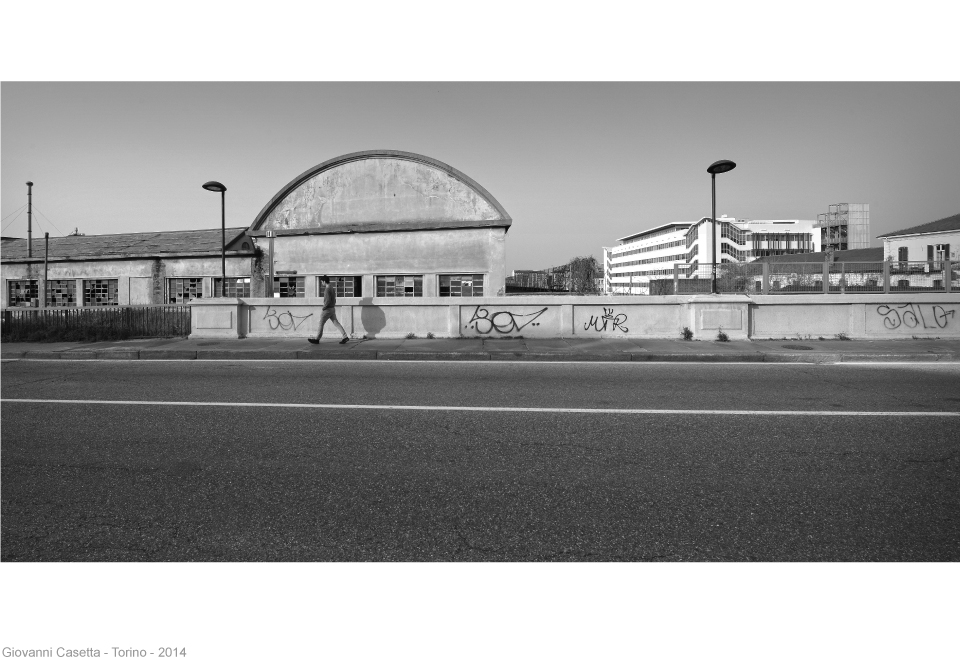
point(863, 254)
point(943, 224)
point(147, 244)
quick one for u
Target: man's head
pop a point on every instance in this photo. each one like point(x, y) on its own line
point(325, 280)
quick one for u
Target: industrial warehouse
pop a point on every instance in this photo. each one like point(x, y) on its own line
point(379, 223)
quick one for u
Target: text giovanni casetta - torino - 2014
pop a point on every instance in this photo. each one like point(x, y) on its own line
point(89, 652)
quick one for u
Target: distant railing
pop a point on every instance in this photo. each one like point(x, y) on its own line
point(813, 277)
point(114, 322)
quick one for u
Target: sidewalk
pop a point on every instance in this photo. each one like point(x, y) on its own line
point(525, 350)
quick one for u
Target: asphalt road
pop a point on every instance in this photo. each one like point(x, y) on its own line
point(456, 479)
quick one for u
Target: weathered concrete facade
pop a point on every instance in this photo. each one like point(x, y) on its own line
point(383, 213)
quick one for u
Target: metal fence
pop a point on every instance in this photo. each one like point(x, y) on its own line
point(813, 277)
point(127, 321)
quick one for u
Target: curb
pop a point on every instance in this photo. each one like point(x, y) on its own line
point(413, 355)
point(336, 355)
point(522, 356)
point(160, 354)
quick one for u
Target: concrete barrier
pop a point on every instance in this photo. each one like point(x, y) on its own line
point(857, 316)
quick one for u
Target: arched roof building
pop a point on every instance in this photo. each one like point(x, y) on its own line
point(384, 223)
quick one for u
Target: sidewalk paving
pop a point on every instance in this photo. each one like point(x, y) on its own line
point(544, 350)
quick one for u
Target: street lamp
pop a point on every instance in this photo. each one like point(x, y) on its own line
point(216, 186)
point(719, 167)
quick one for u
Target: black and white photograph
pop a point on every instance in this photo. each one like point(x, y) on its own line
point(472, 333)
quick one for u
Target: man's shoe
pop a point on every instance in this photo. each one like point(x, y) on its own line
point(313, 340)
point(345, 340)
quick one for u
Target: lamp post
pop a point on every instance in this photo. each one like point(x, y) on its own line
point(215, 186)
point(718, 167)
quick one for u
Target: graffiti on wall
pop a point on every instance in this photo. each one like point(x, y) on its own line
point(503, 322)
point(284, 320)
point(911, 315)
point(608, 318)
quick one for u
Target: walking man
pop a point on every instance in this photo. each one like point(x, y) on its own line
point(329, 312)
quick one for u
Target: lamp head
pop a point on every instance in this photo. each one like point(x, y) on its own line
point(721, 166)
point(215, 186)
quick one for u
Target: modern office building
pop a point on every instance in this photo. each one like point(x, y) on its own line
point(629, 266)
point(845, 227)
point(655, 254)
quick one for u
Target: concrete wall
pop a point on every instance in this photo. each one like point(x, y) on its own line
point(879, 316)
point(139, 281)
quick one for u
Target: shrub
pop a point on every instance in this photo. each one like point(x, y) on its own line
point(722, 336)
point(842, 336)
point(430, 335)
point(686, 333)
point(410, 335)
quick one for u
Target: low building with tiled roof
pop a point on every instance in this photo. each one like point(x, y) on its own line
point(146, 268)
point(377, 223)
point(935, 241)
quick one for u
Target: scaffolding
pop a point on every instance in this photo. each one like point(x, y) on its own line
point(845, 227)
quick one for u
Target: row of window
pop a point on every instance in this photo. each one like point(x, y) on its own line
point(62, 293)
point(181, 290)
point(652, 260)
point(660, 246)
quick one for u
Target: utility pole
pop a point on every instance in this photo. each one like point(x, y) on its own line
point(46, 255)
point(29, 218)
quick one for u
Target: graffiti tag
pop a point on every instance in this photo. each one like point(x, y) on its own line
point(284, 320)
point(503, 322)
point(912, 316)
point(607, 317)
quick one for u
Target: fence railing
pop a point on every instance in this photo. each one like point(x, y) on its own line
point(127, 321)
point(812, 277)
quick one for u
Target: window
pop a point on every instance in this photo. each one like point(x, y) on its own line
point(62, 293)
point(346, 286)
point(237, 287)
point(98, 293)
point(463, 286)
point(902, 254)
point(22, 293)
point(181, 290)
point(400, 286)
point(288, 287)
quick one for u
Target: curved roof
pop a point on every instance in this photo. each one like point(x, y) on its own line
point(380, 191)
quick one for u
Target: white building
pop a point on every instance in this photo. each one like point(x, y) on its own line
point(629, 266)
point(653, 254)
point(934, 241)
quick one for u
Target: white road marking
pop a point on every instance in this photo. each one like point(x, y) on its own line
point(615, 411)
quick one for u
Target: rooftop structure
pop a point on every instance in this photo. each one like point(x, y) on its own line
point(845, 227)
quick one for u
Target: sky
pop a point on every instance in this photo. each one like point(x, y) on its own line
point(577, 165)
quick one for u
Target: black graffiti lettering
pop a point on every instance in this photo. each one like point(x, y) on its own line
point(889, 322)
point(503, 322)
point(284, 320)
point(911, 315)
point(607, 317)
point(941, 316)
